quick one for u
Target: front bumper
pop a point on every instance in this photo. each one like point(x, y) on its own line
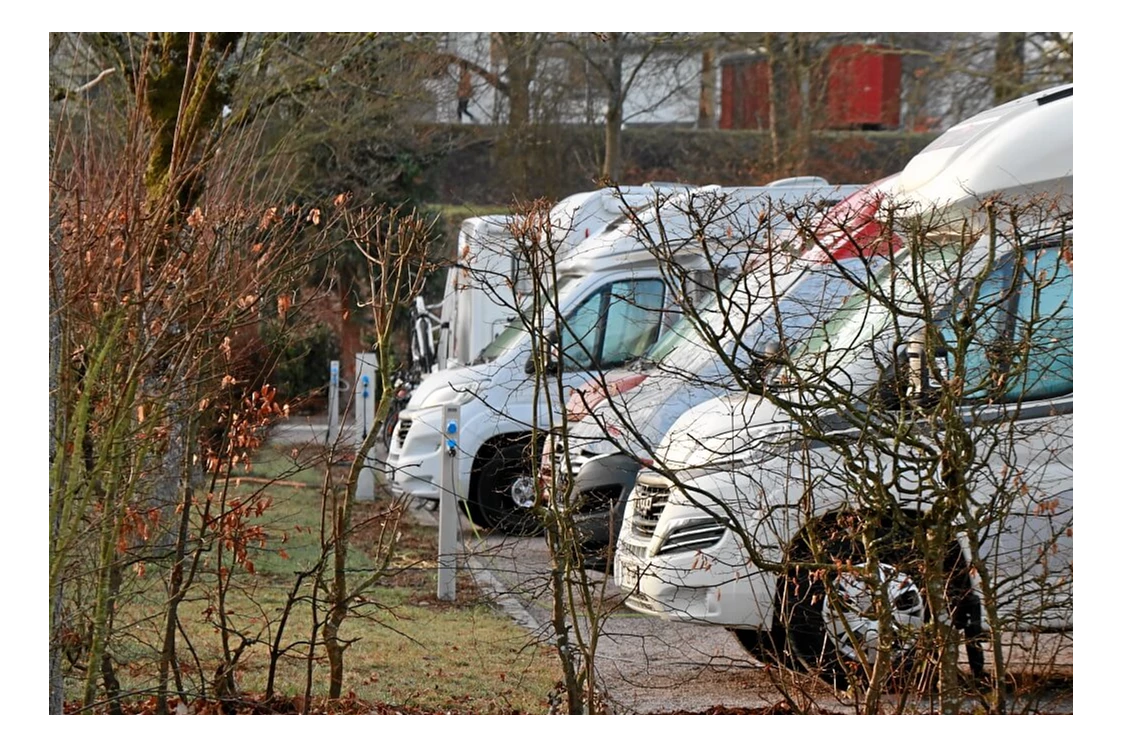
point(710, 581)
point(416, 451)
point(601, 488)
point(716, 587)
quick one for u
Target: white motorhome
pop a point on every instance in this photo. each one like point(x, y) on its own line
point(727, 531)
point(609, 438)
point(478, 301)
point(613, 299)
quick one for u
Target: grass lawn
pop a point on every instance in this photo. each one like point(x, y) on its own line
point(409, 651)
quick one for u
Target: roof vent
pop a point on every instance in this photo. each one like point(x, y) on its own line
point(799, 182)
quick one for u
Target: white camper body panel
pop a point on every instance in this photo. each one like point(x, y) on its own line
point(1019, 149)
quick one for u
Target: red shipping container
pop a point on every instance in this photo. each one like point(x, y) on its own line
point(744, 93)
point(864, 88)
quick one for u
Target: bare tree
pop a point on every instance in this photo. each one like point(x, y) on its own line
point(619, 63)
point(166, 264)
point(395, 248)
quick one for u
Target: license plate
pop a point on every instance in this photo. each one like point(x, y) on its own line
point(628, 578)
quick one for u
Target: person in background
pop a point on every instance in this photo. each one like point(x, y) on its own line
point(464, 94)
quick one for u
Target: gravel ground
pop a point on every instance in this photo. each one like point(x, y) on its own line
point(650, 666)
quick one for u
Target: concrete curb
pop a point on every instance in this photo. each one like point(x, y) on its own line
point(498, 594)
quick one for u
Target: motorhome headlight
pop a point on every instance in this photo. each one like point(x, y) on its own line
point(723, 455)
point(456, 394)
point(717, 466)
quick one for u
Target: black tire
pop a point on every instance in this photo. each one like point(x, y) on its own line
point(804, 606)
point(491, 505)
point(597, 559)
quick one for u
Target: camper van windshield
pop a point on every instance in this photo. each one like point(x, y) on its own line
point(686, 334)
point(512, 335)
point(864, 315)
point(506, 340)
point(742, 317)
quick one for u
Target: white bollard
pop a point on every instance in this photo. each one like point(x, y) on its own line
point(333, 402)
point(366, 400)
point(448, 519)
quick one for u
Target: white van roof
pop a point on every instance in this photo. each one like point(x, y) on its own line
point(1022, 147)
point(577, 217)
point(574, 218)
point(730, 209)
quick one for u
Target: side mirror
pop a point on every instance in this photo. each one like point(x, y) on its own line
point(925, 372)
point(764, 363)
point(551, 365)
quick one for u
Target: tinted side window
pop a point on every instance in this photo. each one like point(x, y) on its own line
point(580, 333)
point(1017, 342)
point(632, 323)
point(614, 325)
point(1043, 325)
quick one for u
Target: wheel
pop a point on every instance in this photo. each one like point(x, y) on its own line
point(597, 559)
point(504, 493)
point(832, 615)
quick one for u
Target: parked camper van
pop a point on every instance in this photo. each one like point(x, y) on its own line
point(746, 521)
point(478, 302)
point(616, 423)
point(485, 286)
point(613, 300)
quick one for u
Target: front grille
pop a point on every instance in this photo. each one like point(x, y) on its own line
point(634, 548)
point(403, 430)
point(598, 499)
point(648, 501)
point(694, 536)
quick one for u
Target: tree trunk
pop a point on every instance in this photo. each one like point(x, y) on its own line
point(1009, 66)
point(99, 624)
point(567, 653)
point(109, 680)
point(178, 581)
point(775, 129)
point(56, 686)
point(350, 329)
point(614, 116)
point(334, 648)
point(706, 119)
point(517, 154)
point(788, 109)
point(54, 336)
point(341, 528)
point(521, 61)
point(803, 89)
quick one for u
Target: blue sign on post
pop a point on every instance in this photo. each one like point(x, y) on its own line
point(450, 441)
point(365, 403)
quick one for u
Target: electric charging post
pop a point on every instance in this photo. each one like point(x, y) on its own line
point(448, 521)
point(333, 403)
point(366, 400)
